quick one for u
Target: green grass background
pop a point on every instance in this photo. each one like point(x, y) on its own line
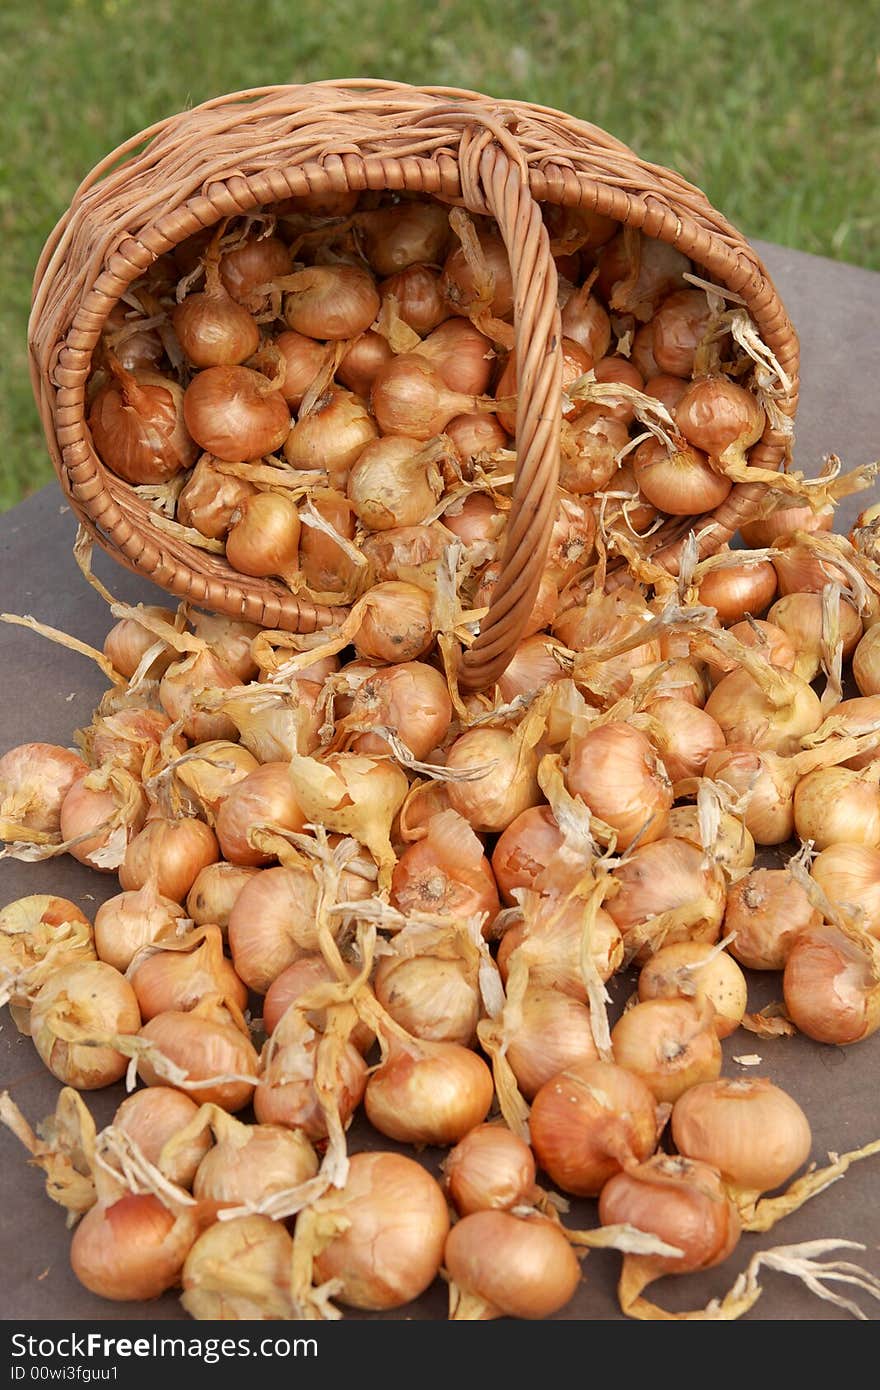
point(769, 105)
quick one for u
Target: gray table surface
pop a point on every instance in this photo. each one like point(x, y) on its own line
point(48, 692)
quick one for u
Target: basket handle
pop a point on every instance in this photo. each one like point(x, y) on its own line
point(495, 181)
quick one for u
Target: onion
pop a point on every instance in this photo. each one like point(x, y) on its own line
point(491, 801)
point(38, 934)
point(154, 1117)
point(266, 796)
point(637, 272)
point(801, 570)
point(394, 483)
point(460, 284)
point(695, 970)
point(431, 1096)
point(575, 362)
point(255, 263)
point(525, 850)
point(132, 1248)
point(767, 908)
point(239, 1269)
point(170, 854)
point(304, 360)
point(593, 627)
point(263, 539)
point(126, 923)
point(590, 1121)
point(586, 323)
point(208, 502)
point(474, 434)
point(390, 553)
point(34, 781)
point(213, 329)
point(502, 1265)
point(139, 427)
point(831, 984)
point(670, 1043)
point(397, 623)
point(835, 805)
point(591, 447)
point(552, 1033)
point(362, 361)
point(332, 436)
point(626, 372)
point(215, 893)
point(330, 301)
point(682, 483)
point(208, 1047)
point(773, 712)
point(618, 776)
point(250, 1163)
point(732, 846)
point(404, 235)
point(680, 325)
point(489, 1169)
point(210, 773)
point(272, 924)
point(670, 889)
point(786, 517)
point(432, 997)
point(128, 641)
point(866, 662)
point(410, 397)
point(114, 810)
point(734, 590)
point(799, 616)
point(689, 737)
point(326, 564)
point(235, 413)
point(446, 873)
point(772, 642)
point(668, 390)
point(300, 979)
point(287, 1094)
point(717, 416)
point(753, 1132)
point(90, 1000)
point(850, 876)
point(178, 978)
point(411, 699)
point(389, 1241)
point(533, 666)
point(461, 354)
point(551, 939)
point(474, 518)
point(418, 297)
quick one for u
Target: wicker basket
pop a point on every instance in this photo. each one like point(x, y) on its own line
point(260, 147)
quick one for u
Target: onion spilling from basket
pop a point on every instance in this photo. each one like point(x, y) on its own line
point(347, 886)
point(325, 393)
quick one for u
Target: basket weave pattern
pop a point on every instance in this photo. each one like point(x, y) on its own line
point(251, 149)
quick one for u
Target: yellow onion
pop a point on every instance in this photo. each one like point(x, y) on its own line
point(266, 796)
point(690, 737)
point(552, 1032)
point(172, 977)
point(571, 540)
point(680, 325)
point(474, 434)
point(668, 390)
point(551, 937)
point(249, 1163)
point(286, 1094)
point(325, 563)
point(34, 781)
point(735, 590)
point(304, 360)
point(38, 934)
point(299, 979)
point(800, 618)
point(599, 624)
point(589, 1122)
point(139, 427)
point(332, 436)
point(771, 640)
point(787, 516)
point(575, 362)
point(831, 984)
point(774, 714)
point(392, 552)
point(671, 889)
point(185, 683)
point(272, 923)
point(362, 361)
point(670, 1043)
point(491, 801)
point(766, 909)
point(247, 267)
point(850, 876)
point(590, 449)
point(683, 1203)
point(152, 1118)
point(129, 921)
point(396, 624)
point(732, 846)
point(212, 770)
point(330, 301)
point(753, 1132)
point(95, 1000)
point(113, 808)
point(263, 538)
point(213, 329)
point(410, 397)
point(394, 483)
point(625, 372)
point(695, 970)
point(637, 273)
point(433, 998)
point(215, 892)
point(128, 641)
point(682, 483)
point(524, 851)
point(866, 662)
point(502, 1265)
point(618, 776)
point(418, 297)
point(210, 1048)
point(235, 413)
point(475, 517)
point(171, 853)
point(460, 283)
point(132, 1248)
point(411, 699)
point(446, 872)
point(801, 569)
point(389, 1241)
point(430, 1096)
point(403, 235)
point(239, 1269)
point(835, 805)
point(717, 415)
point(586, 323)
point(489, 1169)
point(128, 739)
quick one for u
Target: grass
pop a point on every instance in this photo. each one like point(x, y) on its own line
point(768, 106)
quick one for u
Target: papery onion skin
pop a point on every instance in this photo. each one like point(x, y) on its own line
point(232, 413)
point(215, 892)
point(181, 687)
point(715, 413)
point(525, 849)
point(766, 908)
point(304, 359)
point(520, 1268)
point(362, 362)
point(85, 808)
point(430, 997)
point(256, 262)
point(132, 1249)
point(554, 1033)
point(831, 984)
point(272, 924)
point(128, 640)
point(214, 330)
point(127, 922)
point(664, 876)
point(396, 625)
point(429, 1099)
point(392, 1248)
point(747, 715)
point(752, 1131)
point(179, 980)
point(735, 590)
point(850, 875)
point(332, 302)
point(332, 436)
point(693, 969)
point(271, 1160)
point(154, 1115)
point(138, 426)
point(492, 801)
point(491, 1168)
point(682, 483)
point(263, 539)
point(172, 853)
point(588, 1122)
point(552, 934)
point(618, 776)
point(295, 1104)
point(265, 795)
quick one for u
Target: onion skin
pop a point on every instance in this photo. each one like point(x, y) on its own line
point(393, 1246)
point(519, 1268)
point(233, 414)
point(433, 1098)
point(525, 849)
point(617, 774)
point(692, 969)
point(152, 1116)
point(670, 1043)
point(681, 1201)
point(753, 1132)
point(34, 780)
point(174, 851)
point(767, 908)
point(203, 1048)
point(491, 1168)
point(100, 1002)
point(831, 984)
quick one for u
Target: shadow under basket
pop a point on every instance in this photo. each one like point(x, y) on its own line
point(257, 148)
